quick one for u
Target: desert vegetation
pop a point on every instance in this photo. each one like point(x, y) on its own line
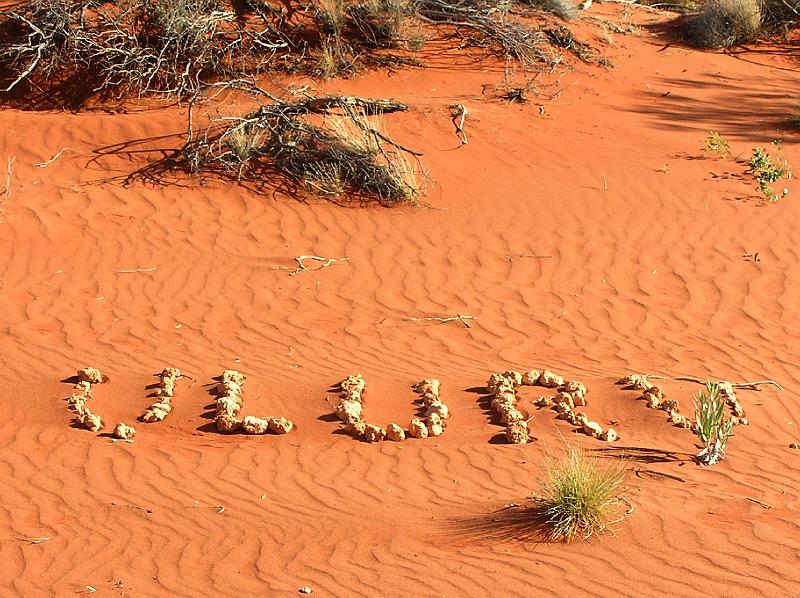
point(580, 496)
point(725, 23)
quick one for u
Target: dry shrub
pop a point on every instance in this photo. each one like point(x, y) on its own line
point(722, 24)
point(347, 156)
point(561, 8)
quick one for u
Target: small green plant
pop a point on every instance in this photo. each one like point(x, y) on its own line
point(580, 495)
point(711, 427)
point(716, 143)
point(766, 170)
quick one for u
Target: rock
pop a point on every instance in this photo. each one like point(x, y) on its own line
point(395, 433)
point(609, 435)
point(514, 376)
point(503, 402)
point(563, 407)
point(76, 403)
point(581, 418)
point(511, 414)
point(564, 398)
point(517, 433)
point(656, 392)
point(573, 386)
point(280, 425)
point(435, 425)
point(794, 446)
point(89, 420)
point(255, 425)
point(348, 410)
point(593, 429)
point(229, 388)
point(84, 387)
point(233, 376)
point(578, 399)
point(531, 378)
point(669, 405)
point(228, 423)
point(417, 428)
point(355, 428)
point(124, 431)
point(352, 394)
point(356, 383)
point(439, 409)
point(166, 391)
point(496, 381)
point(170, 372)
point(374, 433)
point(736, 409)
point(228, 406)
point(428, 385)
point(638, 381)
point(543, 402)
point(550, 379)
point(91, 375)
point(652, 400)
point(305, 590)
point(429, 397)
point(679, 420)
point(739, 421)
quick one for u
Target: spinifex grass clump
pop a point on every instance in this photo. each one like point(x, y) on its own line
point(711, 427)
point(581, 496)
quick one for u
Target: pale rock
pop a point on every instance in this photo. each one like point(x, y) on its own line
point(593, 429)
point(573, 386)
point(435, 425)
point(609, 435)
point(531, 378)
point(280, 425)
point(439, 409)
point(90, 421)
point(233, 376)
point(428, 385)
point(656, 392)
point(652, 400)
point(550, 379)
point(638, 381)
point(374, 433)
point(395, 433)
point(124, 431)
point(417, 428)
point(255, 425)
point(228, 388)
point(90, 375)
point(227, 423)
point(514, 376)
point(544, 402)
point(517, 433)
point(83, 386)
point(429, 397)
point(349, 410)
point(355, 428)
point(171, 372)
point(356, 383)
point(564, 398)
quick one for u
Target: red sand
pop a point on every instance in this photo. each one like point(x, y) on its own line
point(635, 270)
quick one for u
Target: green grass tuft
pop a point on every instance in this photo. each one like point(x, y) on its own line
point(581, 496)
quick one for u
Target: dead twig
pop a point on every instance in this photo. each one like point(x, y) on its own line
point(302, 267)
point(134, 270)
point(638, 471)
point(53, 159)
point(444, 320)
point(759, 503)
point(35, 540)
point(744, 385)
point(459, 112)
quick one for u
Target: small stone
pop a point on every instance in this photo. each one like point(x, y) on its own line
point(349, 410)
point(429, 385)
point(652, 400)
point(305, 590)
point(503, 402)
point(90, 375)
point(429, 397)
point(233, 376)
point(638, 381)
point(255, 425)
point(84, 387)
point(564, 398)
point(435, 425)
point(669, 405)
point(356, 428)
point(510, 414)
point(543, 402)
point(550, 379)
point(517, 433)
point(124, 431)
point(531, 378)
point(439, 409)
point(228, 423)
point(356, 383)
point(280, 425)
point(514, 376)
point(794, 446)
point(395, 433)
point(374, 433)
point(573, 386)
point(90, 421)
point(593, 429)
point(609, 435)
point(417, 428)
point(171, 372)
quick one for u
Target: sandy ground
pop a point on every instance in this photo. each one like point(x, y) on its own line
point(588, 232)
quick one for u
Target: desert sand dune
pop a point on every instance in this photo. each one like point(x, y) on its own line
point(558, 230)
